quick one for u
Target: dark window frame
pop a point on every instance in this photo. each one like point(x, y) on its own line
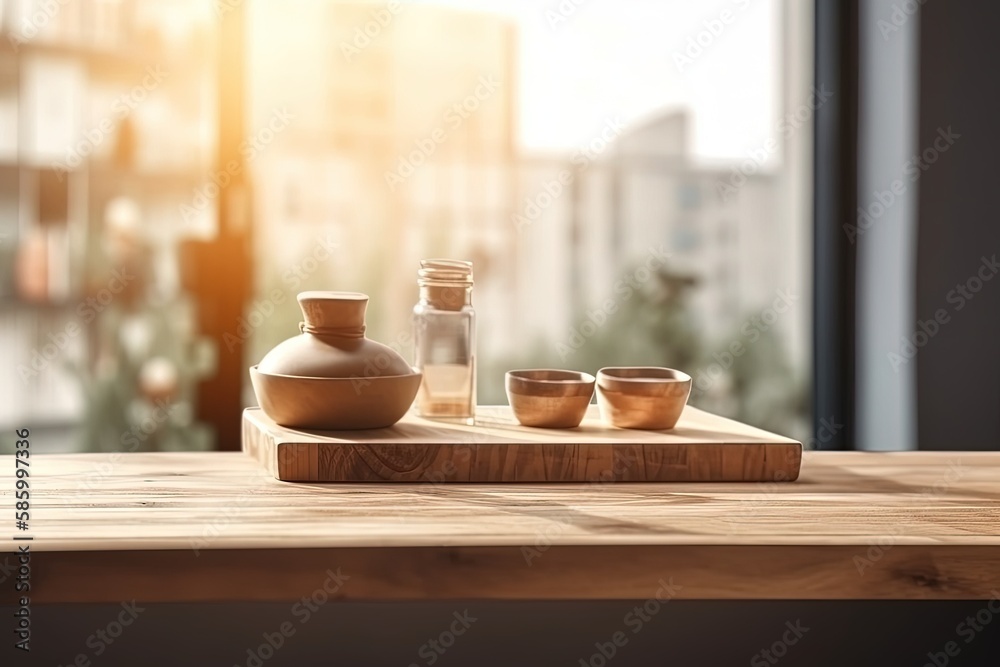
point(835, 199)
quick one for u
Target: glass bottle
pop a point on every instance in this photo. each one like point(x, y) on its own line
point(444, 334)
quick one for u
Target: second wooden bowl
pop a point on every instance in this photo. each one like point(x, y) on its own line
point(643, 397)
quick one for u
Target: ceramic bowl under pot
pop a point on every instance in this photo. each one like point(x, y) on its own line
point(335, 403)
point(547, 398)
point(643, 397)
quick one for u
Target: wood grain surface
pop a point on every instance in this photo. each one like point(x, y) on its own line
point(701, 448)
point(216, 526)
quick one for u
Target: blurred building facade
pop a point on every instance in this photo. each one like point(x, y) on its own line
point(640, 197)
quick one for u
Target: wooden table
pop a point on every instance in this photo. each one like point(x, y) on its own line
point(213, 526)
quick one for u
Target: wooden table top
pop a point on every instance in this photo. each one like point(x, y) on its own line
point(213, 526)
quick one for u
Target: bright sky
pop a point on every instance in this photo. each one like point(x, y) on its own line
point(617, 58)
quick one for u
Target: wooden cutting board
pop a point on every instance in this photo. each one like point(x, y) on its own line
point(701, 448)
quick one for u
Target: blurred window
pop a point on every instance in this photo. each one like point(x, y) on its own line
point(444, 128)
point(619, 162)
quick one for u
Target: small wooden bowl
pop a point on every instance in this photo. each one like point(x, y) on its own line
point(547, 398)
point(642, 397)
point(338, 404)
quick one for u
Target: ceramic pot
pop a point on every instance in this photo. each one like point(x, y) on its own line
point(331, 376)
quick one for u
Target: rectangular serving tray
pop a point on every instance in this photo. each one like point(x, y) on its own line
point(702, 448)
